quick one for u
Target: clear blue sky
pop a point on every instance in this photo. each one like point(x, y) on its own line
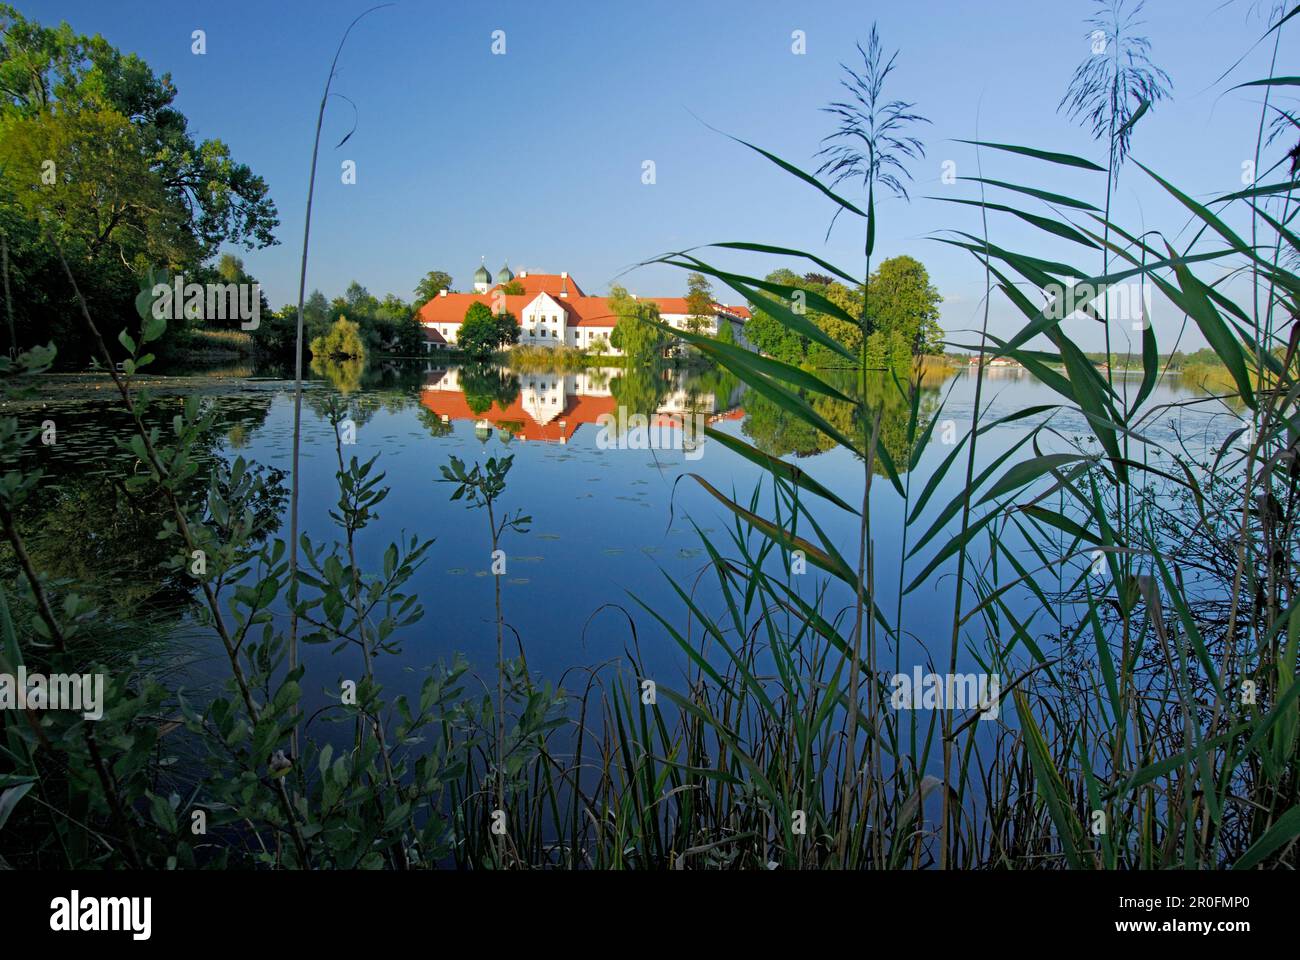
point(536, 155)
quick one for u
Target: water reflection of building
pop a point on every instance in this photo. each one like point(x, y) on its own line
point(551, 406)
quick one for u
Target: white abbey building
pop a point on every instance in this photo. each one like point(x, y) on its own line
point(553, 311)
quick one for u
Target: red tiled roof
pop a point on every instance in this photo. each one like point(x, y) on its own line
point(516, 418)
point(590, 312)
point(551, 283)
point(580, 310)
point(452, 307)
point(679, 305)
point(669, 304)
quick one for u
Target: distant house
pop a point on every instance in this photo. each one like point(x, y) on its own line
point(554, 311)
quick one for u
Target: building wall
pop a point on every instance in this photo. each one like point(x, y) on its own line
point(545, 323)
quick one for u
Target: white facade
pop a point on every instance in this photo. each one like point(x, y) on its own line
point(547, 321)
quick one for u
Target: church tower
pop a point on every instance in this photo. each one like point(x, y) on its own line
point(482, 279)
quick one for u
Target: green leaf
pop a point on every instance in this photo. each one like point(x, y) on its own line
point(1150, 364)
point(776, 466)
point(1143, 107)
point(1027, 471)
point(1202, 212)
point(1271, 82)
point(1033, 192)
point(1194, 300)
point(1059, 805)
point(9, 800)
point(1046, 224)
point(790, 252)
point(153, 328)
point(791, 168)
point(1285, 829)
point(1066, 159)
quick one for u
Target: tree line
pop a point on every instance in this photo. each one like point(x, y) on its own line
point(902, 317)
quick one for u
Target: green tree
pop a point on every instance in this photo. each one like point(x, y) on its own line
point(359, 300)
point(399, 327)
point(479, 335)
point(699, 303)
point(507, 329)
point(316, 309)
point(277, 334)
point(768, 334)
point(903, 299)
point(231, 269)
point(342, 342)
point(434, 282)
point(128, 187)
point(634, 330)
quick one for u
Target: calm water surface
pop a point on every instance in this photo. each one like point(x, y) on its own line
point(607, 524)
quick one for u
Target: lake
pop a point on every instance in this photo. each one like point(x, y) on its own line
point(611, 522)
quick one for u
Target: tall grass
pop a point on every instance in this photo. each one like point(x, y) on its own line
point(1156, 749)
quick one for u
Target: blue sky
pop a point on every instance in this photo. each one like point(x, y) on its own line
point(536, 156)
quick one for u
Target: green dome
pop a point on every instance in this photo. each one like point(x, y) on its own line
point(481, 275)
point(504, 275)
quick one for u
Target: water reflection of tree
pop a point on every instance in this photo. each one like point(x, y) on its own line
point(715, 380)
point(640, 389)
point(345, 376)
point(84, 527)
point(433, 422)
point(780, 433)
point(364, 388)
point(485, 385)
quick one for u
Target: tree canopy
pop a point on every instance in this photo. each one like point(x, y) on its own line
point(342, 342)
point(699, 303)
point(434, 282)
point(482, 333)
point(96, 161)
point(634, 331)
point(903, 317)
